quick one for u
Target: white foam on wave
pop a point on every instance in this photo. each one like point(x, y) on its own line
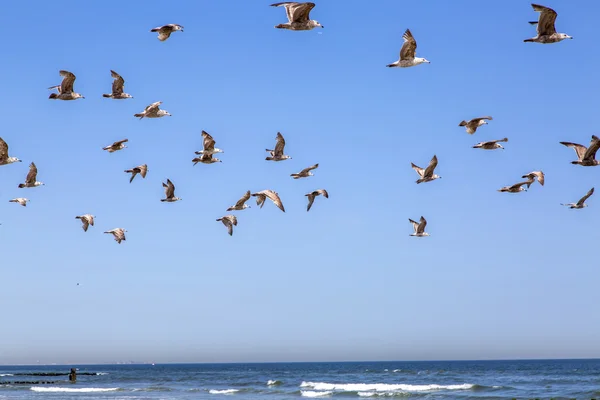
point(225, 391)
point(312, 393)
point(101, 373)
point(6, 375)
point(71, 390)
point(272, 382)
point(382, 387)
point(397, 370)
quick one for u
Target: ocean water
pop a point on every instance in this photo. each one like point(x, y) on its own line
point(541, 379)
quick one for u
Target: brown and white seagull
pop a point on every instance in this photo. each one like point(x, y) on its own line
point(517, 187)
point(268, 194)
point(419, 227)
point(427, 175)
point(205, 158)
point(407, 53)
point(4, 158)
point(277, 153)
point(581, 202)
point(117, 88)
point(586, 156)
point(118, 233)
point(165, 31)
point(31, 178)
point(86, 220)
point(140, 169)
point(153, 111)
point(491, 145)
point(116, 146)
point(539, 175)
point(241, 203)
point(208, 144)
point(305, 173)
point(65, 89)
point(311, 197)
point(472, 125)
point(546, 31)
point(229, 221)
point(21, 200)
point(298, 16)
point(169, 192)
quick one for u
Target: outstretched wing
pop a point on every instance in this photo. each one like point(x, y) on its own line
point(422, 225)
point(143, 170)
point(322, 192)
point(118, 83)
point(152, 108)
point(432, 164)
point(288, 5)
point(518, 185)
point(244, 199)
point(274, 197)
point(579, 149)
point(545, 24)
point(3, 150)
point(279, 145)
point(407, 52)
point(169, 189)
point(419, 170)
point(116, 144)
point(32, 175)
point(305, 170)
point(415, 224)
point(311, 200)
point(590, 153)
point(300, 11)
point(584, 198)
point(209, 142)
point(66, 85)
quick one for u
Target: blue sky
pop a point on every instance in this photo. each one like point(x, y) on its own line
point(496, 279)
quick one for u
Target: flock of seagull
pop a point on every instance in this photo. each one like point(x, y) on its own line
point(298, 15)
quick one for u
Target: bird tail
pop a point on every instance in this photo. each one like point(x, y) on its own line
point(163, 199)
point(21, 185)
point(390, 65)
point(574, 162)
point(295, 176)
point(533, 22)
point(462, 123)
point(107, 95)
point(53, 96)
point(476, 146)
point(229, 209)
point(154, 30)
point(528, 40)
point(269, 158)
point(139, 115)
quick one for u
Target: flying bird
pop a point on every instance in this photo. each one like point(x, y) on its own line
point(311, 197)
point(517, 187)
point(277, 153)
point(419, 227)
point(118, 233)
point(491, 145)
point(581, 202)
point(86, 221)
point(4, 158)
point(472, 125)
point(206, 158)
point(153, 111)
point(140, 169)
point(427, 175)
point(229, 221)
point(165, 31)
point(31, 179)
point(539, 175)
point(116, 146)
point(65, 89)
point(271, 195)
point(117, 88)
point(407, 53)
point(298, 16)
point(586, 156)
point(305, 173)
point(169, 192)
point(546, 32)
point(208, 144)
point(241, 203)
point(21, 200)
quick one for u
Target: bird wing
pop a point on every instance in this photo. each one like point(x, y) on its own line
point(3, 150)
point(32, 175)
point(279, 145)
point(244, 199)
point(232, 218)
point(422, 225)
point(116, 144)
point(119, 233)
point(118, 83)
point(518, 185)
point(170, 189)
point(90, 219)
point(209, 142)
point(143, 170)
point(274, 197)
point(322, 192)
point(480, 118)
point(152, 108)
point(590, 153)
point(432, 164)
point(66, 85)
point(545, 24)
point(305, 170)
point(407, 52)
point(300, 11)
point(288, 5)
point(499, 140)
point(579, 149)
point(85, 223)
point(164, 32)
point(311, 200)
point(415, 224)
point(419, 170)
point(584, 198)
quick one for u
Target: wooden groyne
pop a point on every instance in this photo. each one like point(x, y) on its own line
point(72, 377)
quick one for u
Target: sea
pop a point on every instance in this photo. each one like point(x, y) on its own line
point(535, 379)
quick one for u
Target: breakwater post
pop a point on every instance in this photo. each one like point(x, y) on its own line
point(73, 375)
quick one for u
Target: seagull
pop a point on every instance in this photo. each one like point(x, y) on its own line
point(118, 233)
point(586, 156)
point(169, 192)
point(165, 31)
point(117, 88)
point(475, 123)
point(206, 159)
point(86, 220)
point(241, 203)
point(21, 200)
point(116, 146)
point(419, 227)
point(305, 173)
point(311, 197)
point(546, 32)
point(277, 154)
point(4, 158)
point(141, 169)
point(65, 89)
point(407, 53)
point(491, 145)
point(229, 221)
point(30, 180)
point(581, 202)
point(298, 16)
point(209, 145)
point(273, 196)
point(517, 187)
point(152, 111)
point(427, 175)
point(535, 174)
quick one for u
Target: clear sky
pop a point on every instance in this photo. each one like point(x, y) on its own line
point(502, 275)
